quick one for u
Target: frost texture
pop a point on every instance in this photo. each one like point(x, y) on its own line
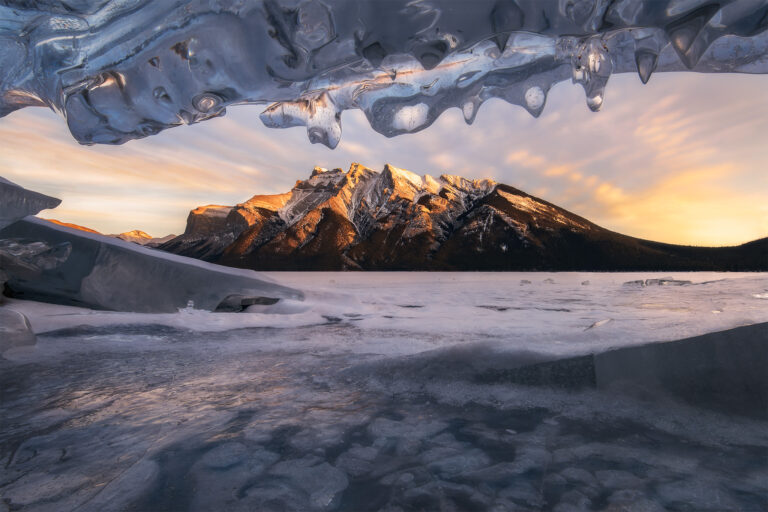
point(15, 330)
point(125, 69)
point(386, 406)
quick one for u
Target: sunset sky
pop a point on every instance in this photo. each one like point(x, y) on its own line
point(682, 159)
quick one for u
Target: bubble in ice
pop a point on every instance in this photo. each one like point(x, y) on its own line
point(118, 70)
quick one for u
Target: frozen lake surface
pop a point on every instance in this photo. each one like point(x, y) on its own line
point(350, 401)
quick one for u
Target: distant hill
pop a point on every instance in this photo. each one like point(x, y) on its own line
point(139, 237)
point(73, 226)
point(397, 220)
point(136, 236)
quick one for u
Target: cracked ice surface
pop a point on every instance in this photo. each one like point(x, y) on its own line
point(344, 404)
point(125, 69)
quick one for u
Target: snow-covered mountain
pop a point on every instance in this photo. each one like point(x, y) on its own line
point(398, 220)
point(140, 237)
point(136, 236)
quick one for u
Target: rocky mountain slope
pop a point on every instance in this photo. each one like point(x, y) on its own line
point(73, 226)
point(397, 220)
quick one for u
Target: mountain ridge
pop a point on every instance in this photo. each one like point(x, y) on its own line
point(136, 236)
point(397, 220)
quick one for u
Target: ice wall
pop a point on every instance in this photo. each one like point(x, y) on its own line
point(51, 263)
point(17, 202)
point(124, 69)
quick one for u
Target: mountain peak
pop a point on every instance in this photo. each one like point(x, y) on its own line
point(398, 173)
point(318, 170)
point(135, 233)
point(485, 185)
point(363, 219)
point(397, 220)
point(358, 169)
point(400, 183)
point(271, 202)
point(212, 209)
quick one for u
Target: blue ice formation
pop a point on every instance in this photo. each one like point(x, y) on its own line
point(124, 69)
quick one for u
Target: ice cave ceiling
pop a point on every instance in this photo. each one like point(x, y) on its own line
point(124, 69)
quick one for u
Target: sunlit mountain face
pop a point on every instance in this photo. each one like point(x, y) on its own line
point(397, 220)
point(119, 70)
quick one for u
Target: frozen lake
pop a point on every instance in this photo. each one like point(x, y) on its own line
point(351, 400)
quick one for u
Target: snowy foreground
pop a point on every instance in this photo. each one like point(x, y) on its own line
point(358, 398)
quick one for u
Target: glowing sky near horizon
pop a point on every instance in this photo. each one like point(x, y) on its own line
point(680, 160)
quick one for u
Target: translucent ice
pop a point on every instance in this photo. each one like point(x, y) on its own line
point(15, 330)
point(151, 418)
point(67, 266)
point(17, 202)
point(124, 69)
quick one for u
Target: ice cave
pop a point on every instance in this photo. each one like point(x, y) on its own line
point(133, 379)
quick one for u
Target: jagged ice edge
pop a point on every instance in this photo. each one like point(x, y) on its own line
point(96, 66)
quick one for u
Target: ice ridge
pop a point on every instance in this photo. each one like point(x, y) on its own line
point(124, 69)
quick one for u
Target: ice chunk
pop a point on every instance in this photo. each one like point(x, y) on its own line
point(665, 281)
point(616, 479)
point(599, 323)
point(358, 460)
point(386, 428)
point(459, 461)
point(322, 482)
point(225, 456)
point(119, 70)
point(118, 494)
point(17, 202)
point(697, 494)
point(723, 370)
point(106, 273)
point(15, 330)
point(24, 257)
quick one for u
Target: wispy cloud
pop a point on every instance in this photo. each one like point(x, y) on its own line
point(679, 160)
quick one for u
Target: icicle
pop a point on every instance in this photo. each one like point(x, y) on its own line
point(402, 62)
point(469, 110)
point(535, 98)
point(592, 67)
point(318, 114)
point(595, 101)
point(430, 53)
point(684, 33)
point(324, 123)
point(325, 130)
point(506, 17)
point(646, 61)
